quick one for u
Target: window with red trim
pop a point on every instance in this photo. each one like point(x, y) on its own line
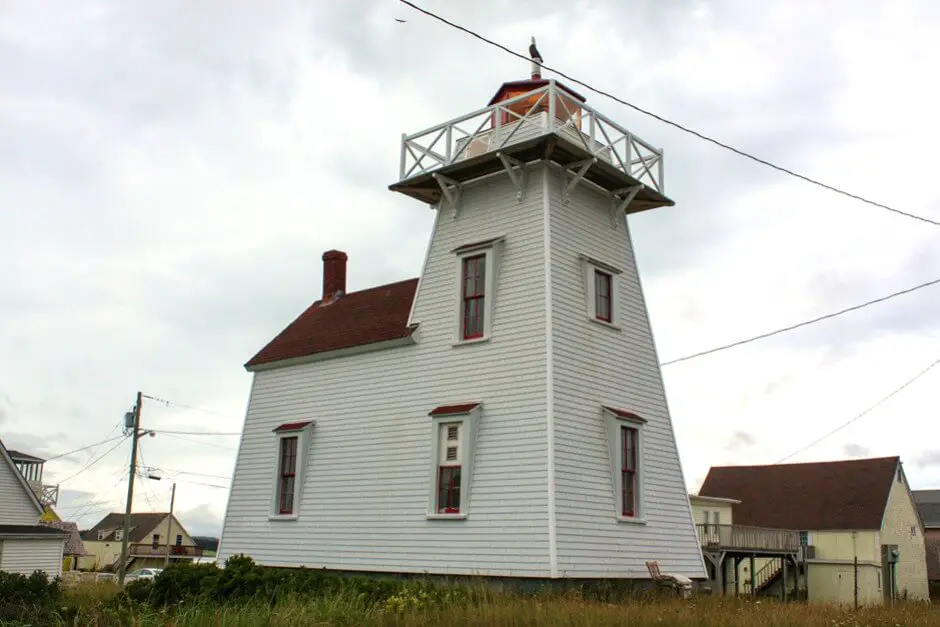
point(449, 465)
point(628, 457)
point(473, 293)
point(287, 475)
point(603, 305)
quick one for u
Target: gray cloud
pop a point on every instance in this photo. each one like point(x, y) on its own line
point(201, 521)
point(928, 458)
point(739, 441)
point(855, 450)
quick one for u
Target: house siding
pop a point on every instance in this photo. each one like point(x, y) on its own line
point(26, 556)
point(900, 516)
point(18, 508)
point(365, 491)
point(593, 366)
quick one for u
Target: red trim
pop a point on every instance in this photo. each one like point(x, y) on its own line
point(603, 301)
point(526, 85)
point(473, 288)
point(628, 453)
point(443, 410)
point(623, 413)
point(292, 426)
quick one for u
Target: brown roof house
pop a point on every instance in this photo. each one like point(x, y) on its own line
point(153, 539)
point(928, 504)
point(845, 511)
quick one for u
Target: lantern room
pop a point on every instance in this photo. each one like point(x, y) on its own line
point(532, 102)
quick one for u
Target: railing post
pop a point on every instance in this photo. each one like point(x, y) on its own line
point(448, 151)
point(662, 183)
point(628, 158)
point(401, 170)
point(551, 105)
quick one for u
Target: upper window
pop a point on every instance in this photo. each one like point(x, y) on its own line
point(454, 428)
point(288, 475)
point(102, 535)
point(603, 306)
point(804, 538)
point(625, 443)
point(118, 535)
point(291, 439)
point(474, 296)
point(601, 288)
point(477, 266)
point(156, 540)
point(179, 539)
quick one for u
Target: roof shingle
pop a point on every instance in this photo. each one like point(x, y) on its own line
point(824, 495)
point(374, 315)
point(140, 526)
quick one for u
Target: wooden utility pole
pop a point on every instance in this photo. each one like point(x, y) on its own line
point(169, 527)
point(130, 490)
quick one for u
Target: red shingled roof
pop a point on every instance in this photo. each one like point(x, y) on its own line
point(827, 495)
point(373, 315)
point(444, 410)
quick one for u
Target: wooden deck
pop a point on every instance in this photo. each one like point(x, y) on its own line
point(742, 538)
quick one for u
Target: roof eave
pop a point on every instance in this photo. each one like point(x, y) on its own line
point(407, 340)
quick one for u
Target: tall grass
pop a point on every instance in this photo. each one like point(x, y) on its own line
point(347, 609)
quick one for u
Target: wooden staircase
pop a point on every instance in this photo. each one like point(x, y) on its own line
point(766, 576)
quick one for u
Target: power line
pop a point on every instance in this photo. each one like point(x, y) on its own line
point(95, 461)
point(847, 423)
point(183, 406)
point(208, 485)
point(212, 444)
point(197, 432)
point(674, 124)
point(174, 472)
point(85, 448)
point(800, 324)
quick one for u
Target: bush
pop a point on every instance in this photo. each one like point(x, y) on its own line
point(35, 598)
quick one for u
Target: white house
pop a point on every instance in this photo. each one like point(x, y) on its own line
point(502, 415)
point(25, 545)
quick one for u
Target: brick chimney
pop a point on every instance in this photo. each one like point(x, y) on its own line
point(334, 275)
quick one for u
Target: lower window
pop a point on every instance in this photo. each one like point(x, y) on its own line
point(448, 490)
point(628, 441)
point(288, 474)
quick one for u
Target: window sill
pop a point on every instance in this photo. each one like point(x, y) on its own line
point(476, 340)
point(631, 520)
point(609, 325)
point(446, 516)
point(282, 517)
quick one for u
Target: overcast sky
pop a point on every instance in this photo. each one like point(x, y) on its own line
point(170, 173)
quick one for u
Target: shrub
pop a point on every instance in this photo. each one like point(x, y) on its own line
point(34, 598)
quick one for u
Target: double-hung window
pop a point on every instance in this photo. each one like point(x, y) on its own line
point(454, 430)
point(628, 443)
point(477, 268)
point(625, 443)
point(601, 289)
point(448, 482)
point(474, 296)
point(287, 475)
point(292, 442)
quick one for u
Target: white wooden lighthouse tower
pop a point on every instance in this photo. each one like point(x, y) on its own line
point(537, 186)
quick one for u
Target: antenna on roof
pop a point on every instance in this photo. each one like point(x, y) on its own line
point(536, 60)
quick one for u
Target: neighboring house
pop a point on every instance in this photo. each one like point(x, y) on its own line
point(503, 415)
point(25, 545)
point(149, 535)
point(928, 504)
point(747, 560)
point(859, 509)
point(74, 549)
point(31, 467)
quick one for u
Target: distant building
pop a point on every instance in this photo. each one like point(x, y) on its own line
point(25, 544)
point(928, 504)
point(846, 510)
point(151, 537)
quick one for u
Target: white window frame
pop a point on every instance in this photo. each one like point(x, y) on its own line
point(491, 249)
point(614, 420)
point(590, 265)
point(102, 535)
point(119, 535)
point(469, 421)
point(303, 443)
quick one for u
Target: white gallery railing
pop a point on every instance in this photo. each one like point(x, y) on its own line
point(552, 110)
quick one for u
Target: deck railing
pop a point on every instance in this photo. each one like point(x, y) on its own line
point(742, 537)
point(549, 109)
point(159, 550)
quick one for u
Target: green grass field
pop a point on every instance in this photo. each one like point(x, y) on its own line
point(492, 609)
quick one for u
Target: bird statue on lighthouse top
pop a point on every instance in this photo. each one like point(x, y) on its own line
point(536, 60)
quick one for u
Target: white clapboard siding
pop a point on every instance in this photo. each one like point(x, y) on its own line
point(26, 556)
point(595, 365)
point(16, 508)
point(365, 493)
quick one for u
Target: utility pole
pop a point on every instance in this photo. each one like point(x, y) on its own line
point(169, 527)
point(130, 489)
